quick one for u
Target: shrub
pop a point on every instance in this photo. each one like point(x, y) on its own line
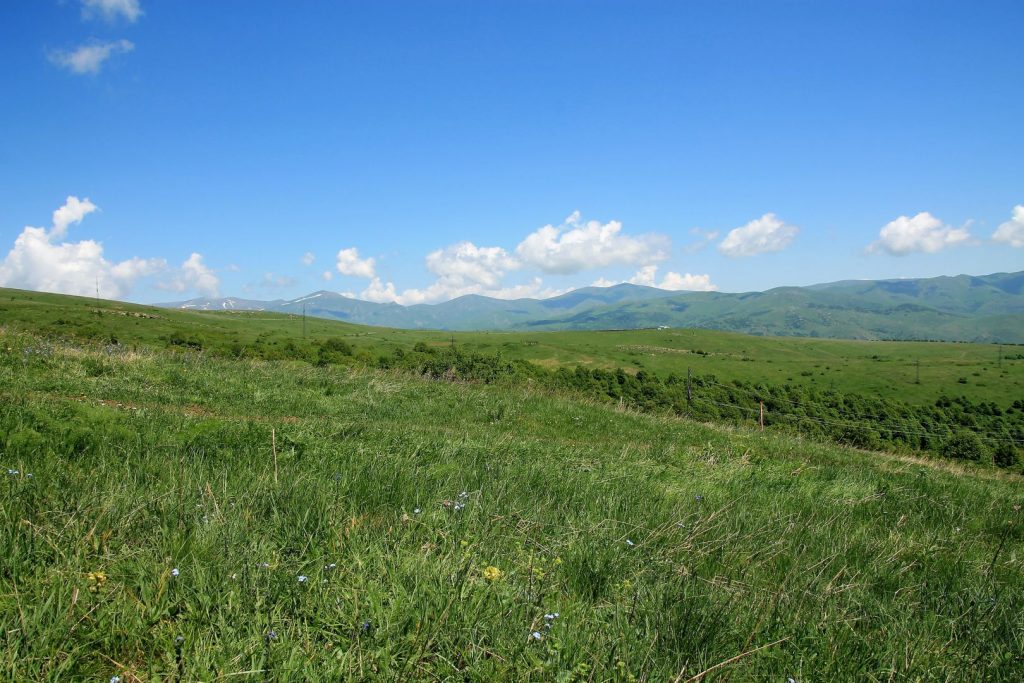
point(964, 445)
point(1005, 455)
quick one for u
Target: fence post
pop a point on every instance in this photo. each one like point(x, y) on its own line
point(761, 419)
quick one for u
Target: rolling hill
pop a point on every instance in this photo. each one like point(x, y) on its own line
point(987, 308)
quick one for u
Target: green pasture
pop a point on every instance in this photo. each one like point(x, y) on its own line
point(176, 516)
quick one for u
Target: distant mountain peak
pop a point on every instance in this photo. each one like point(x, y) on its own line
point(961, 308)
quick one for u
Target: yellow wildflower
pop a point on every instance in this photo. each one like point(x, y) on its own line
point(96, 580)
point(492, 573)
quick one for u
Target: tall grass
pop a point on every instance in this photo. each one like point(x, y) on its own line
point(667, 549)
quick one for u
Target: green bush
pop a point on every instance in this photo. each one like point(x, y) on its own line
point(1005, 455)
point(964, 445)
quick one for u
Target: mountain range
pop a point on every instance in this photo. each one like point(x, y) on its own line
point(987, 308)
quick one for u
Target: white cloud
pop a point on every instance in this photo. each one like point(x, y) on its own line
point(760, 236)
point(672, 281)
point(688, 282)
point(73, 211)
point(308, 258)
point(444, 290)
point(327, 275)
point(201, 278)
point(193, 275)
point(349, 263)
point(39, 260)
point(466, 262)
point(465, 268)
point(1012, 231)
point(111, 9)
point(89, 59)
point(575, 246)
point(922, 233)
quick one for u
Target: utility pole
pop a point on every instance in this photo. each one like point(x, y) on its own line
point(97, 295)
point(689, 388)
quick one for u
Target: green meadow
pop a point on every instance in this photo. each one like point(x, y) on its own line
point(175, 510)
point(170, 516)
point(918, 372)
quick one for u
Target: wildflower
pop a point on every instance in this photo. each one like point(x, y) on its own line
point(115, 679)
point(271, 634)
point(330, 566)
point(458, 506)
point(698, 498)
point(366, 625)
point(234, 577)
point(175, 573)
point(264, 565)
point(303, 578)
point(463, 495)
point(416, 511)
point(96, 581)
point(630, 543)
point(536, 635)
point(492, 573)
point(557, 561)
point(179, 640)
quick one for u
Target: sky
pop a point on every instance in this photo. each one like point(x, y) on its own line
point(419, 151)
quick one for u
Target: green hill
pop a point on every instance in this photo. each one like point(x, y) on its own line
point(174, 515)
point(964, 308)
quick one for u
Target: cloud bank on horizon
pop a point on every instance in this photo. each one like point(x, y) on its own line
point(47, 260)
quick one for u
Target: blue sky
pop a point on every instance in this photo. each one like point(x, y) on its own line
point(418, 151)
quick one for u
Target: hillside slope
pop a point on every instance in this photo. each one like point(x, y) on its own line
point(178, 516)
point(988, 308)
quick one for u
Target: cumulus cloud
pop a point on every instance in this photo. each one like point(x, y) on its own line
point(349, 263)
point(71, 213)
point(465, 268)
point(327, 275)
point(40, 260)
point(922, 233)
point(111, 10)
point(308, 258)
point(1012, 231)
point(467, 263)
point(760, 236)
point(576, 245)
point(89, 59)
point(672, 281)
point(444, 290)
point(195, 275)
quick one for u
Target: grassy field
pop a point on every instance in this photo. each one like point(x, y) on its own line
point(173, 516)
point(981, 372)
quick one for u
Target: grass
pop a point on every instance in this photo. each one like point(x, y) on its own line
point(981, 372)
point(667, 548)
